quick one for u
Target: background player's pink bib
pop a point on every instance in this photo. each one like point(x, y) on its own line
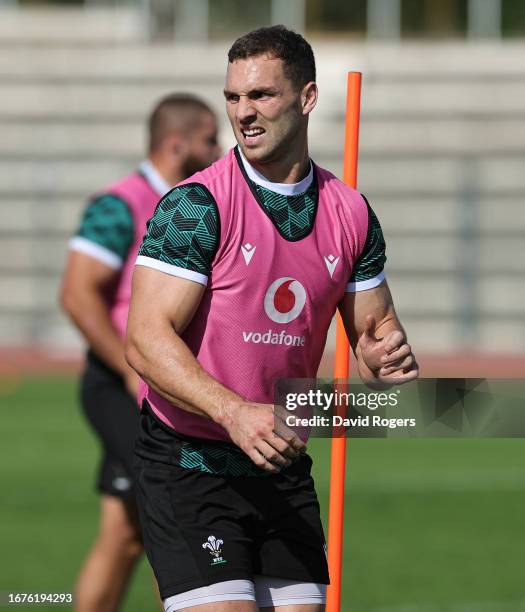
point(142, 199)
point(269, 301)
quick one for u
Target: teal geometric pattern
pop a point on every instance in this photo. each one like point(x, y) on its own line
point(184, 230)
point(217, 459)
point(372, 260)
point(292, 215)
point(108, 222)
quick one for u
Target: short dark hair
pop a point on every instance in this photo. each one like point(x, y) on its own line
point(175, 112)
point(282, 43)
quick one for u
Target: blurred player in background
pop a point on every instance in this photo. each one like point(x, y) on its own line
point(95, 294)
point(247, 262)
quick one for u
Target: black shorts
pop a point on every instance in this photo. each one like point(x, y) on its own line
point(114, 415)
point(201, 528)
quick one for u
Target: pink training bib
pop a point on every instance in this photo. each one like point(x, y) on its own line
point(269, 301)
point(142, 200)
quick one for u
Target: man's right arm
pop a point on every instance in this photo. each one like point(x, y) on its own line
point(156, 351)
point(168, 285)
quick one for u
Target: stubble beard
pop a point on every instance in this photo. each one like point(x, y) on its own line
point(275, 151)
point(192, 165)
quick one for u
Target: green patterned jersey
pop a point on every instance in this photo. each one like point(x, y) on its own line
point(184, 231)
point(292, 215)
point(372, 260)
point(108, 223)
point(216, 458)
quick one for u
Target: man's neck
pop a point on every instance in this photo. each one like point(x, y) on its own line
point(284, 187)
point(291, 168)
point(172, 176)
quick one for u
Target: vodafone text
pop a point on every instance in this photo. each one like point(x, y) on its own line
point(271, 337)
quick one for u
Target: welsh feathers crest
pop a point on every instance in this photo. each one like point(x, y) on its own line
point(214, 546)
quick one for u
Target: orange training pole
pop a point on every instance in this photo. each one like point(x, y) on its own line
point(338, 454)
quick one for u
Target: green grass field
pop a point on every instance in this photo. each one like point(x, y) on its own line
point(431, 525)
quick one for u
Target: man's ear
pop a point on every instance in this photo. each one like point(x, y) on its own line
point(176, 145)
point(309, 95)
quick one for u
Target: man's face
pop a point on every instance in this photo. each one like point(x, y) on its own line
point(203, 147)
point(263, 106)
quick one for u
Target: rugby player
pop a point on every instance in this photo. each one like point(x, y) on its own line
point(95, 294)
point(240, 273)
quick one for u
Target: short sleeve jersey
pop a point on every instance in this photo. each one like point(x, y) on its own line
point(183, 235)
point(106, 230)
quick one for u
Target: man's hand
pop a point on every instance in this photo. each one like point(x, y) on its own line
point(262, 435)
point(387, 360)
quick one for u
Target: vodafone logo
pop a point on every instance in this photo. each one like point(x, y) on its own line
point(284, 300)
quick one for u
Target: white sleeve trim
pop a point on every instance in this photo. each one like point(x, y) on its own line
point(83, 245)
point(172, 270)
point(370, 283)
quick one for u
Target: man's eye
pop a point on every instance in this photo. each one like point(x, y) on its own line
point(232, 98)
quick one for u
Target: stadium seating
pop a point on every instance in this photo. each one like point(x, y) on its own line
point(442, 145)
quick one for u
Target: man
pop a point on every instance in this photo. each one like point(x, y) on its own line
point(95, 294)
point(228, 508)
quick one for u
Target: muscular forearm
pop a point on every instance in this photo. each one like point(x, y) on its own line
point(163, 359)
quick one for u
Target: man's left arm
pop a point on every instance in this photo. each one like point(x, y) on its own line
point(372, 326)
point(377, 337)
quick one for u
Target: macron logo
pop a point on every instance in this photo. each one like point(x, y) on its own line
point(247, 251)
point(331, 263)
